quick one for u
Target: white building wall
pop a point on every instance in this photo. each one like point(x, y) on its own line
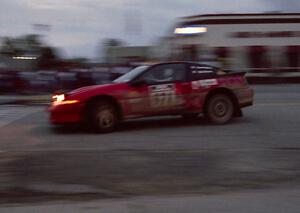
point(221, 35)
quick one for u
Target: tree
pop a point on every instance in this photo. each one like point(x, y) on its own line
point(8, 47)
point(47, 58)
point(33, 43)
point(30, 45)
point(112, 42)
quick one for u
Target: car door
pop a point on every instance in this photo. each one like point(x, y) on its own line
point(202, 79)
point(166, 86)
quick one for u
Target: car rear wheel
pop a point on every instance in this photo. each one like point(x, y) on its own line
point(219, 109)
point(103, 117)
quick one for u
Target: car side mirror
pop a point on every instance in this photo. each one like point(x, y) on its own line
point(138, 83)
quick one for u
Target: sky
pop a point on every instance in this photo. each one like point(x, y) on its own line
point(77, 27)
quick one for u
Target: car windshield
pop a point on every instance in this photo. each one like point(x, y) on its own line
point(131, 74)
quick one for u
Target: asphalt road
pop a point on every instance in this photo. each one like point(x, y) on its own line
point(252, 201)
point(153, 156)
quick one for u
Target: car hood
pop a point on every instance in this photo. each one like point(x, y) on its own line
point(106, 88)
point(83, 89)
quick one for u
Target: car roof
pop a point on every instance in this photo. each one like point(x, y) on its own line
point(186, 62)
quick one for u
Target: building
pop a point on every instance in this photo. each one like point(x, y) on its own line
point(127, 54)
point(238, 41)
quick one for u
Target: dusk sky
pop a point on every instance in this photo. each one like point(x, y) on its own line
point(77, 27)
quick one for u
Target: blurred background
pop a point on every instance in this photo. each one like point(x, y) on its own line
point(52, 45)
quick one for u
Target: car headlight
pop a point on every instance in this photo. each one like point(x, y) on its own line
point(61, 99)
point(58, 98)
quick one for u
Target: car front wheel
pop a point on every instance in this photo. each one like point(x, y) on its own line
point(103, 117)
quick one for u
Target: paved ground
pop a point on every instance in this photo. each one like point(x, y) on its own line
point(258, 201)
point(11, 113)
point(156, 156)
point(25, 99)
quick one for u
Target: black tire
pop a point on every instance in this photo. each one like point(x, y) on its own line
point(219, 109)
point(103, 117)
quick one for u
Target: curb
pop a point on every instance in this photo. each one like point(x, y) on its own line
point(25, 102)
point(273, 80)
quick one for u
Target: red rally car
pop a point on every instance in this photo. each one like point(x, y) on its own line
point(174, 88)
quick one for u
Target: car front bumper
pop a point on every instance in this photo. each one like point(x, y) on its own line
point(66, 113)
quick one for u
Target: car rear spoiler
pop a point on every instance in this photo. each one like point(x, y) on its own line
point(232, 73)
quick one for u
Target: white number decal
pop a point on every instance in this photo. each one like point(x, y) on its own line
point(162, 95)
point(204, 83)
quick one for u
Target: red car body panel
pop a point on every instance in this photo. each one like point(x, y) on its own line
point(61, 114)
point(142, 101)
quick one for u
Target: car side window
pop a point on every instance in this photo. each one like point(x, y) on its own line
point(165, 73)
point(198, 72)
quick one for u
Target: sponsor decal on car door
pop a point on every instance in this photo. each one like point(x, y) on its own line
point(163, 96)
